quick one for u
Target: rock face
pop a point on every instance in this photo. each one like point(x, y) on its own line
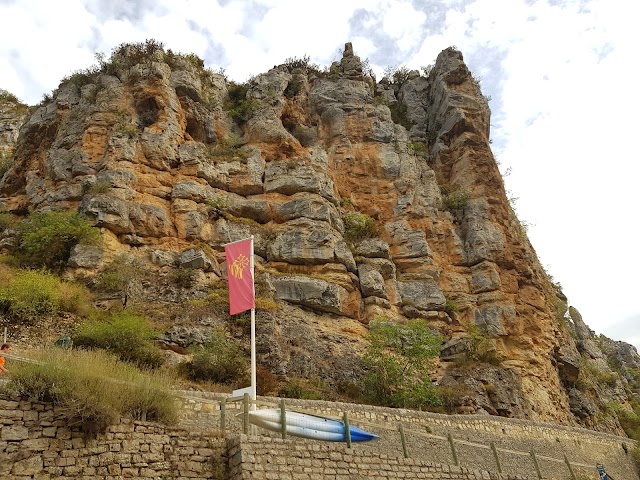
point(12, 116)
point(171, 162)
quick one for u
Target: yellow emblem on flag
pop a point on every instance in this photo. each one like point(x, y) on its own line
point(238, 266)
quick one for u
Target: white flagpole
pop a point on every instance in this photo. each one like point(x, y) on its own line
point(253, 334)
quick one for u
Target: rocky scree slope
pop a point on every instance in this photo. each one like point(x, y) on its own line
point(172, 161)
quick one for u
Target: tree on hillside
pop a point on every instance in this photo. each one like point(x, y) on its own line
point(398, 361)
point(46, 239)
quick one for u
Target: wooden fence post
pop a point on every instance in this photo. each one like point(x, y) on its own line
point(245, 414)
point(573, 475)
point(347, 432)
point(453, 451)
point(223, 413)
point(535, 464)
point(495, 455)
point(405, 452)
point(283, 419)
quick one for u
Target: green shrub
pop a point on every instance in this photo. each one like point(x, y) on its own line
point(124, 334)
point(418, 148)
point(400, 114)
point(8, 221)
point(455, 201)
point(220, 360)
point(398, 363)
point(227, 149)
point(397, 75)
point(358, 226)
point(305, 64)
point(29, 294)
point(93, 389)
point(451, 306)
point(120, 273)
point(183, 277)
point(293, 88)
point(46, 239)
point(102, 186)
point(6, 96)
point(305, 389)
point(237, 105)
point(480, 349)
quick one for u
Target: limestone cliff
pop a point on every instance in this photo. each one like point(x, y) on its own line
point(171, 161)
point(12, 115)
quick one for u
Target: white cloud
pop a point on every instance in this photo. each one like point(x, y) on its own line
point(403, 23)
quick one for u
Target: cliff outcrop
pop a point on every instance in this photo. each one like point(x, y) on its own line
point(365, 200)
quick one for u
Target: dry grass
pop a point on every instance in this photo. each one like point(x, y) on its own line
point(92, 388)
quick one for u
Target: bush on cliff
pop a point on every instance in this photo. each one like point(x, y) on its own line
point(124, 334)
point(398, 363)
point(46, 239)
point(92, 388)
point(220, 360)
point(27, 294)
point(358, 226)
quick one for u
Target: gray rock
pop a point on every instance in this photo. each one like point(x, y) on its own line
point(413, 95)
point(382, 128)
point(117, 177)
point(581, 405)
point(242, 176)
point(390, 161)
point(314, 293)
point(187, 84)
point(585, 343)
point(312, 207)
point(568, 361)
point(491, 318)
point(371, 282)
point(108, 212)
point(378, 302)
point(343, 94)
point(255, 208)
point(164, 258)
point(456, 348)
point(407, 242)
point(386, 267)
point(293, 176)
point(483, 240)
point(196, 258)
point(423, 295)
point(183, 336)
point(489, 389)
point(85, 256)
point(484, 277)
point(373, 248)
point(307, 242)
point(192, 190)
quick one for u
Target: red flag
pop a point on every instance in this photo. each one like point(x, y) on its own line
point(239, 276)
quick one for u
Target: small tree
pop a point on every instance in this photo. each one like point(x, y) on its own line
point(46, 239)
point(399, 359)
point(219, 360)
point(124, 334)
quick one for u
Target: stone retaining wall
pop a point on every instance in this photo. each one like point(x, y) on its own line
point(427, 433)
point(36, 443)
point(258, 458)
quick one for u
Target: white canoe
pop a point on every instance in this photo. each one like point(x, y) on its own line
point(308, 426)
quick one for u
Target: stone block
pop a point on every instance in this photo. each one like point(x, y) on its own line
point(29, 466)
point(14, 433)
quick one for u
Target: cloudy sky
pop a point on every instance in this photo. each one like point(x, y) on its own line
point(559, 73)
